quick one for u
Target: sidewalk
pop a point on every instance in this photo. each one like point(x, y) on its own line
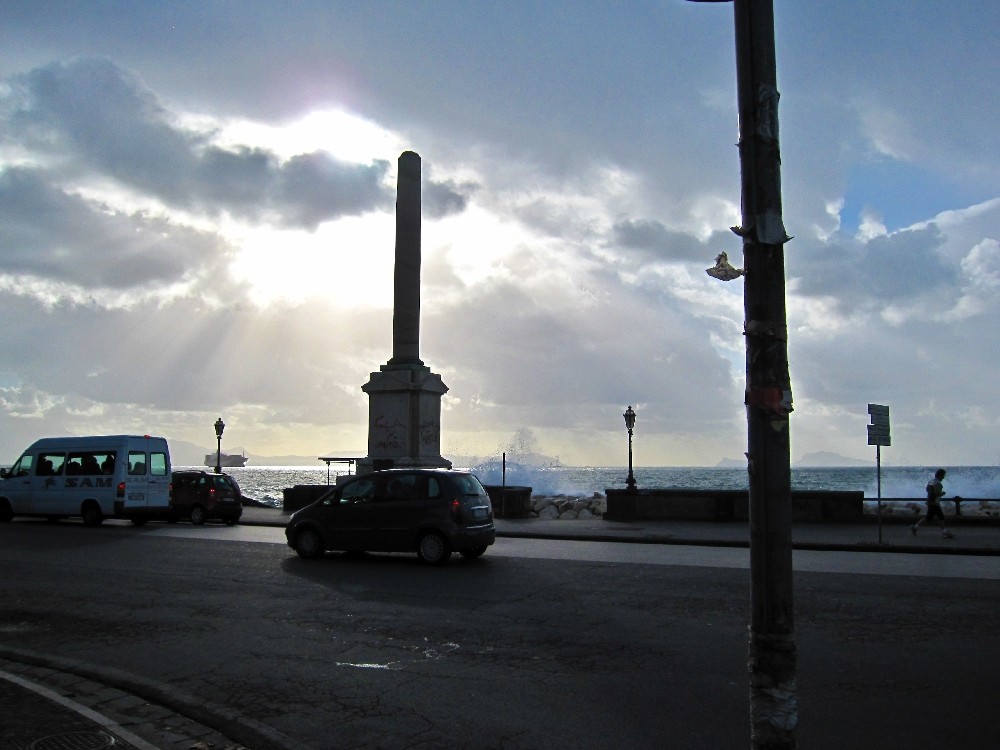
point(973, 536)
point(48, 708)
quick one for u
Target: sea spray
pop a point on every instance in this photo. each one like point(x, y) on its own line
point(520, 464)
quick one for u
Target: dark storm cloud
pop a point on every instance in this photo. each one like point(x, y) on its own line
point(440, 199)
point(96, 114)
point(50, 234)
point(901, 266)
point(98, 118)
point(310, 185)
point(652, 241)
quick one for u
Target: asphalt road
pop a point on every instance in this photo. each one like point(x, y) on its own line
point(536, 645)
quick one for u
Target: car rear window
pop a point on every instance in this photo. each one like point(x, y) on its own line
point(224, 483)
point(469, 485)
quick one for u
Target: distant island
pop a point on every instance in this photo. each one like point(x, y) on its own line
point(731, 463)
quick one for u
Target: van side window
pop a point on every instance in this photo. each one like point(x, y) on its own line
point(358, 491)
point(50, 464)
point(136, 462)
point(108, 464)
point(158, 464)
point(88, 463)
point(399, 487)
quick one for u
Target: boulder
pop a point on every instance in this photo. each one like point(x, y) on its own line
point(549, 512)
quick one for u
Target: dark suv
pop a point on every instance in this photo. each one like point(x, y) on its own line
point(428, 511)
point(200, 495)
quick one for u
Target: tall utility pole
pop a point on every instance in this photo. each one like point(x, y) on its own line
point(772, 658)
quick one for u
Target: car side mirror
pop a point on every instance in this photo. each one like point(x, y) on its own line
point(3, 474)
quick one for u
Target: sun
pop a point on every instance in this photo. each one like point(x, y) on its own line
point(348, 261)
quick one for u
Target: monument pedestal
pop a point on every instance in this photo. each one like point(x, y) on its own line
point(404, 418)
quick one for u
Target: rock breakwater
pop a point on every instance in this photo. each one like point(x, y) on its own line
point(568, 507)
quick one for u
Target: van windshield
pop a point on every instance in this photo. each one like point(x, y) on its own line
point(22, 467)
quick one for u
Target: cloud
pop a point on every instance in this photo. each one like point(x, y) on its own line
point(100, 121)
point(904, 268)
point(651, 241)
point(48, 234)
point(313, 188)
point(440, 199)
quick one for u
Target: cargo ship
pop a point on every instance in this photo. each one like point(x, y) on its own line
point(229, 460)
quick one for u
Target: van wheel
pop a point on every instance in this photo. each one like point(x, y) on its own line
point(197, 515)
point(308, 544)
point(474, 552)
point(6, 514)
point(433, 548)
point(92, 515)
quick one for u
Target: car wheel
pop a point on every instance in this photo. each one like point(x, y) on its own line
point(92, 515)
point(198, 515)
point(308, 543)
point(139, 521)
point(433, 548)
point(6, 514)
point(230, 521)
point(474, 552)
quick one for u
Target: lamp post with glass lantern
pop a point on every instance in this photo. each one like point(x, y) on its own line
point(219, 427)
point(629, 424)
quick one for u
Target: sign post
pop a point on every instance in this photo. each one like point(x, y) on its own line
point(878, 435)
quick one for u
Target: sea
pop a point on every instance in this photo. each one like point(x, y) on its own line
point(266, 484)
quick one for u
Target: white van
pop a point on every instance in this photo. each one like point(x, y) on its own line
point(119, 476)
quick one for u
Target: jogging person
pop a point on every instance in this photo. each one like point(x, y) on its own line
point(935, 491)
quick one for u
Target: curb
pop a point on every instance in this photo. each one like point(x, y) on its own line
point(810, 546)
point(220, 718)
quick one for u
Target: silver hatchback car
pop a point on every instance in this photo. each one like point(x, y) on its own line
point(432, 512)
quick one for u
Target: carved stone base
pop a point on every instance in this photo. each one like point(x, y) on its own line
point(404, 418)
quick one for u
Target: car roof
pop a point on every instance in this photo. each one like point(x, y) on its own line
point(419, 470)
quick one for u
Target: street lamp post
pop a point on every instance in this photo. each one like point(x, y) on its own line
point(219, 427)
point(772, 657)
point(629, 424)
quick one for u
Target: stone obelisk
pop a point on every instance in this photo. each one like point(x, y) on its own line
point(406, 275)
point(404, 396)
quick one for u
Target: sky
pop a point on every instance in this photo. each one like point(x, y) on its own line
point(197, 220)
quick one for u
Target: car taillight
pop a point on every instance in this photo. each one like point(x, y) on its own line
point(211, 492)
point(121, 490)
point(456, 508)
